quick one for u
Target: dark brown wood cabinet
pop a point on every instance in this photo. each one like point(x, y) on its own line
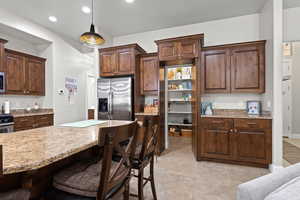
point(25, 74)
point(31, 122)
point(215, 71)
point(2, 54)
point(187, 47)
point(234, 68)
point(241, 141)
point(120, 60)
point(149, 73)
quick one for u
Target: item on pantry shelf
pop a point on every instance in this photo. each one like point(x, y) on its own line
point(171, 74)
point(151, 109)
point(186, 132)
point(186, 121)
point(254, 107)
point(180, 87)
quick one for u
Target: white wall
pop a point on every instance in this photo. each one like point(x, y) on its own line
point(271, 30)
point(295, 88)
point(66, 62)
point(291, 27)
point(230, 30)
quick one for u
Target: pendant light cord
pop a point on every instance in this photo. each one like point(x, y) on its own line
point(92, 11)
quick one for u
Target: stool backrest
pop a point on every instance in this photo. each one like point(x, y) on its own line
point(1, 160)
point(115, 175)
point(150, 127)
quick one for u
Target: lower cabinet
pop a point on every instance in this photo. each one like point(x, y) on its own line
point(31, 122)
point(244, 141)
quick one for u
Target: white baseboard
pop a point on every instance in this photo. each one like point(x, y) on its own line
point(274, 168)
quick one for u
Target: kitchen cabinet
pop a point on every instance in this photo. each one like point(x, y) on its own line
point(215, 71)
point(187, 47)
point(2, 56)
point(234, 68)
point(241, 141)
point(120, 60)
point(25, 74)
point(149, 73)
point(31, 122)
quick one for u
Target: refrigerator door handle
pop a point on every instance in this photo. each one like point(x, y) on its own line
point(110, 104)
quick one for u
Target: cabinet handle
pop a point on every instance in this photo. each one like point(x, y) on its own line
point(252, 124)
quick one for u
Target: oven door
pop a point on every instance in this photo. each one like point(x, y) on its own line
point(2, 82)
point(6, 128)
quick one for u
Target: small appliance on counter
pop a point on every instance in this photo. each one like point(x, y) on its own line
point(6, 108)
point(6, 123)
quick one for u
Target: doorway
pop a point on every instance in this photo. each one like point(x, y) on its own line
point(291, 99)
point(91, 100)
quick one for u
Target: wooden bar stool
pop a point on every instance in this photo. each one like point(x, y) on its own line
point(17, 194)
point(145, 153)
point(101, 180)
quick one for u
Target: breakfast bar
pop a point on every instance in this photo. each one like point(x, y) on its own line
point(34, 154)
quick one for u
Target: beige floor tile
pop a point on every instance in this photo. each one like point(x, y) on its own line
point(179, 177)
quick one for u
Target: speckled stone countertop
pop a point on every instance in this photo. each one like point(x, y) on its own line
point(240, 114)
point(37, 148)
point(146, 114)
point(24, 113)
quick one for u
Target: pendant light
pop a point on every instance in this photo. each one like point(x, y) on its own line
point(92, 38)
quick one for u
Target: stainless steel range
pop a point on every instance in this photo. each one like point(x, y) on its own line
point(6, 123)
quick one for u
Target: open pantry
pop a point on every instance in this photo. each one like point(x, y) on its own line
point(179, 98)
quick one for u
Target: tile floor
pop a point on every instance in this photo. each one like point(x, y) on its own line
point(295, 142)
point(179, 177)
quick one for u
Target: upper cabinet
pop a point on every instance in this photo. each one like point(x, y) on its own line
point(234, 68)
point(25, 74)
point(149, 73)
point(2, 56)
point(120, 60)
point(187, 47)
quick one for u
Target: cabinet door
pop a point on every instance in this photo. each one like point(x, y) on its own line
point(217, 139)
point(43, 120)
point(149, 74)
point(125, 61)
point(215, 71)
point(35, 77)
point(168, 51)
point(248, 69)
point(188, 49)
point(23, 123)
point(108, 63)
point(254, 141)
point(15, 74)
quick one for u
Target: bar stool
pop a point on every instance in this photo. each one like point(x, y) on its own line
point(17, 194)
point(144, 155)
point(102, 179)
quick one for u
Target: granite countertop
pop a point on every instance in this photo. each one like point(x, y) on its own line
point(146, 114)
point(24, 113)
point(37, 148)
point(240, 114)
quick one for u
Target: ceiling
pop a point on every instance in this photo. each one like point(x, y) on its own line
point(116, 17)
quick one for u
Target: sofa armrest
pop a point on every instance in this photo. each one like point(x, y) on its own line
point(259, 188)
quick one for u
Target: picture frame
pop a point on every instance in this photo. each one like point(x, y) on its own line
point(254, 107)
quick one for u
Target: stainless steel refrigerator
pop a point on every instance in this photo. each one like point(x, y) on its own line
point(115, 98)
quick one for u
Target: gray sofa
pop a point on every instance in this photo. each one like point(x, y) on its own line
point(283, 184)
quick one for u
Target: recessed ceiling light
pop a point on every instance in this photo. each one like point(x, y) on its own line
point(86, 9)
point(52, 18)
point(129, 1)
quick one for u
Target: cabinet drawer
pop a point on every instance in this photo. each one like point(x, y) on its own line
point(217, 123)
point(252, 124)
point(23, 123)
point(43, 120)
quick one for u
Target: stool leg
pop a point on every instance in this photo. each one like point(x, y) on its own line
point(152, 178)
point(141, 184)
point(126, 190)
